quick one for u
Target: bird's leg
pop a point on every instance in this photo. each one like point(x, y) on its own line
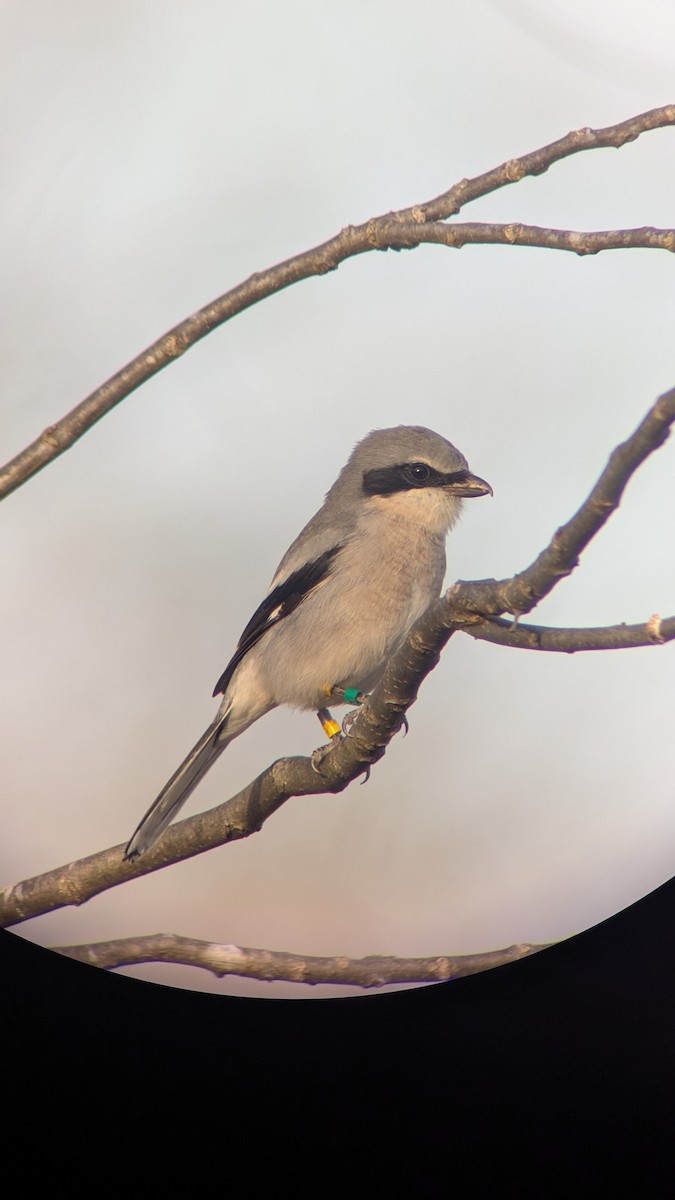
point(328, 723)
point(350, 696)
point(354, 696)
point(332, 730)
point(331, 727)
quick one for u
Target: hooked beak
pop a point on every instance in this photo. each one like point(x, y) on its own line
point(463, 483)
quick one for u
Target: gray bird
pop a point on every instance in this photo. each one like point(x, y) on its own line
point(342, 599)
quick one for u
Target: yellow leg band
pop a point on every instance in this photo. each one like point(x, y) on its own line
point(331, 728)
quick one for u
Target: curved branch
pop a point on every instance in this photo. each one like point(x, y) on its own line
point(524, 591)
point(464, 606)
point(267, 965)
point(396, 236)
point(390, 231)
point(654, 632)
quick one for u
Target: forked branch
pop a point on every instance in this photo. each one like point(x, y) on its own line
point(470, 607)
point(404, 229)
point(476, 608)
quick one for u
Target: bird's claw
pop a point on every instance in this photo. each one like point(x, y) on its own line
point(349, 696)
point(321, 753)
point(348, 720)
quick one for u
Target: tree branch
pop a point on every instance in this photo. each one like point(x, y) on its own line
point(397, 236)
point(524, 591)
point(404, 229)
point(464, 606)
point(374, 971)
point(570, 641)
point(538, 161)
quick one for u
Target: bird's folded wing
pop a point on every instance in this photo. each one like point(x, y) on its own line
point(278, 603)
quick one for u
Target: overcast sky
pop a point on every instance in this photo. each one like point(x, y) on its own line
point(155, 155)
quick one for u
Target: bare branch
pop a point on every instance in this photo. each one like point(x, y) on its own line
point(524, 591)
point(570, 641)
point(539, 161)
point(239, 817)
point(374, 971)
point(406, 228)
point(464, 606)
point(395, 236)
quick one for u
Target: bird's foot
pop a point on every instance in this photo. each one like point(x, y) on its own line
point(332, 729)
point(352, 696)
point(348, 720)
point(349, 696)
point(320, 755)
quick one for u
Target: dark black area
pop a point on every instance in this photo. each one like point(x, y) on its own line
point(411, 476)
point(382, 481)
point(279, 602)
point(559, 1069)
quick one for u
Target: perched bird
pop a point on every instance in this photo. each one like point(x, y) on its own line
point(344, 596)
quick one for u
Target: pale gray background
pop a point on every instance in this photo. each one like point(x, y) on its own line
point(154, 155)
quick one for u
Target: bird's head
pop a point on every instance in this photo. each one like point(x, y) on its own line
point(414, 474)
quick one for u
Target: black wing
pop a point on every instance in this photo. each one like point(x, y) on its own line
point(277, 605)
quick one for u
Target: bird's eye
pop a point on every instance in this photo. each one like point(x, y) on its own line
point(417, 472)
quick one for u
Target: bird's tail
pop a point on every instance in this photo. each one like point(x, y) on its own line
point(181, 784)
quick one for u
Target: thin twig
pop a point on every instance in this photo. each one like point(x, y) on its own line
point(501, 632)
point(371, 972)
point(396, 236)
point(538, 161)
point(404, 229)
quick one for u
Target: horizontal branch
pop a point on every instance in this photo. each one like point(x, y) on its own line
point(389, 231)
point(267, 965)
point(464, 606)
point(397, 236)
point(653, 632)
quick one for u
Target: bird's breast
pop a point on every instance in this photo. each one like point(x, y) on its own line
point(344, 631)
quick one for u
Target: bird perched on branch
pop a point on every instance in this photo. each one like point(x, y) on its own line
point(343, 597)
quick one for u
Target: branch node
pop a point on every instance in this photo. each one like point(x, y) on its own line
point(654, 629)
point(175, 344)
point(51, 436)
point(373, 234)
point(514, 170)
